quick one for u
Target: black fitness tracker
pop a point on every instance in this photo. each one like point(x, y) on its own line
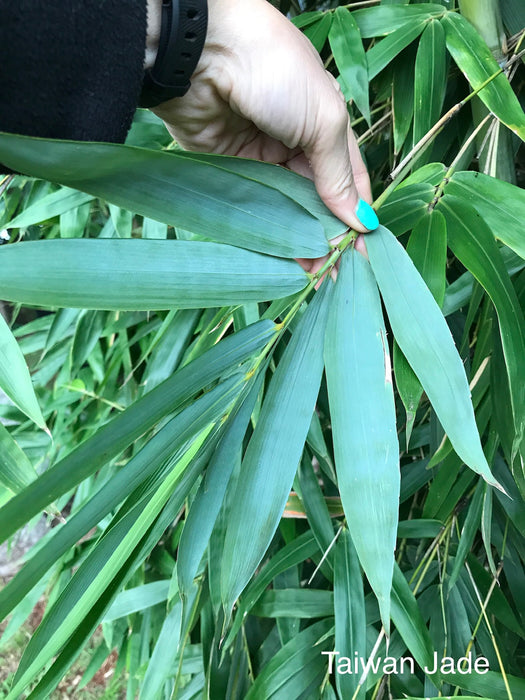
point(182, 35)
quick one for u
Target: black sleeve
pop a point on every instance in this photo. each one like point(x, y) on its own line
point(71, 69)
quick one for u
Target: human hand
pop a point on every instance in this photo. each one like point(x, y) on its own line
point(260, 91)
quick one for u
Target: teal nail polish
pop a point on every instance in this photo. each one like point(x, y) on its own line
point(366, 215)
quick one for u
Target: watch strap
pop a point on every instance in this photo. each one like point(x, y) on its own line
point(182, 36)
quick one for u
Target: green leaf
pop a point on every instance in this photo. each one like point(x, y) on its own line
point(63, 319)
point(380, 55)
point(472, 242)
point(383, 20)
point(349, 611)
point(427, 246)
point(294, 602)
point(299, 188)
point(316, 511)
point(165, 186)
point(430, 79)
point(163, 657)
point(88, 330)
point(139, 598)
point(500, 204)
point(419, 528)
point(97, 572)
point(154, 229)
point(318, 31)
point(477, 63)
point(425, 339)
point(126, 427)
point(74, 221)
point(16, 471)
point(306, 18)
point(15, 379)
point(470, 528)
point(170, 347)
point(208, 501)
point(432, 173)
point(364, 422)
point(513, 13)
point(405, 207)
point(274, 451)
point(142, 466)
point(402, 98)
point(293, 667)
point(292, 554)
point(409, 622)
point(139, 274)
point(55, 204)
point(350, 59)
point(490, 684)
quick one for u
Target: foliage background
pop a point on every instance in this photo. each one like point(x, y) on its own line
point(177, 380)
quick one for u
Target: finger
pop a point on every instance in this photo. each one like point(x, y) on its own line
point(360, 246)
point(333, 151)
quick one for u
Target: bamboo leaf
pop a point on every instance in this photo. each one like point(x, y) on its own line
point(427, 246)
point(350, 58)
point(55, 204)
point(363, 422)
point(295, 186)
point(291, 554)
point(73, 222)
point(491, 684)
point(165, 186)
point(294, 602)
point(472, 242)
point(470, 528)
point(16, 471)
point(405, 207)
point(430, 79)
point(409, 622)
point(88, 330)
point(206, 506)
point(129, 425)
point(133, 600)
point(425, 339)
point(294, 666)
point(143, 465)
point(274, 450)
point(15, 379)
point(163, 657)
point(385, 19)
point(142, 274)
point(477, 63)
point(402, 98)
point(96, 574)
point(316, 510)
point(317, 32)
point(380, 55)
point(349, 610)
point(500, 204)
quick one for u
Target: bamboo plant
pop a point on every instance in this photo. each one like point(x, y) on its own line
point(261, 482)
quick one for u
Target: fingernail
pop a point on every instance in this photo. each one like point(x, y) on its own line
point(366, 215)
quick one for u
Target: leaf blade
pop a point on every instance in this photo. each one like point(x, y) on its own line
point(363, 422)
point(425, 339)
point(15, 379)
point(273, 453)
point(139, 274)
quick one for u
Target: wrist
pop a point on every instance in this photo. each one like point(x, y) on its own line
point(183, 25)
point(154, 10)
